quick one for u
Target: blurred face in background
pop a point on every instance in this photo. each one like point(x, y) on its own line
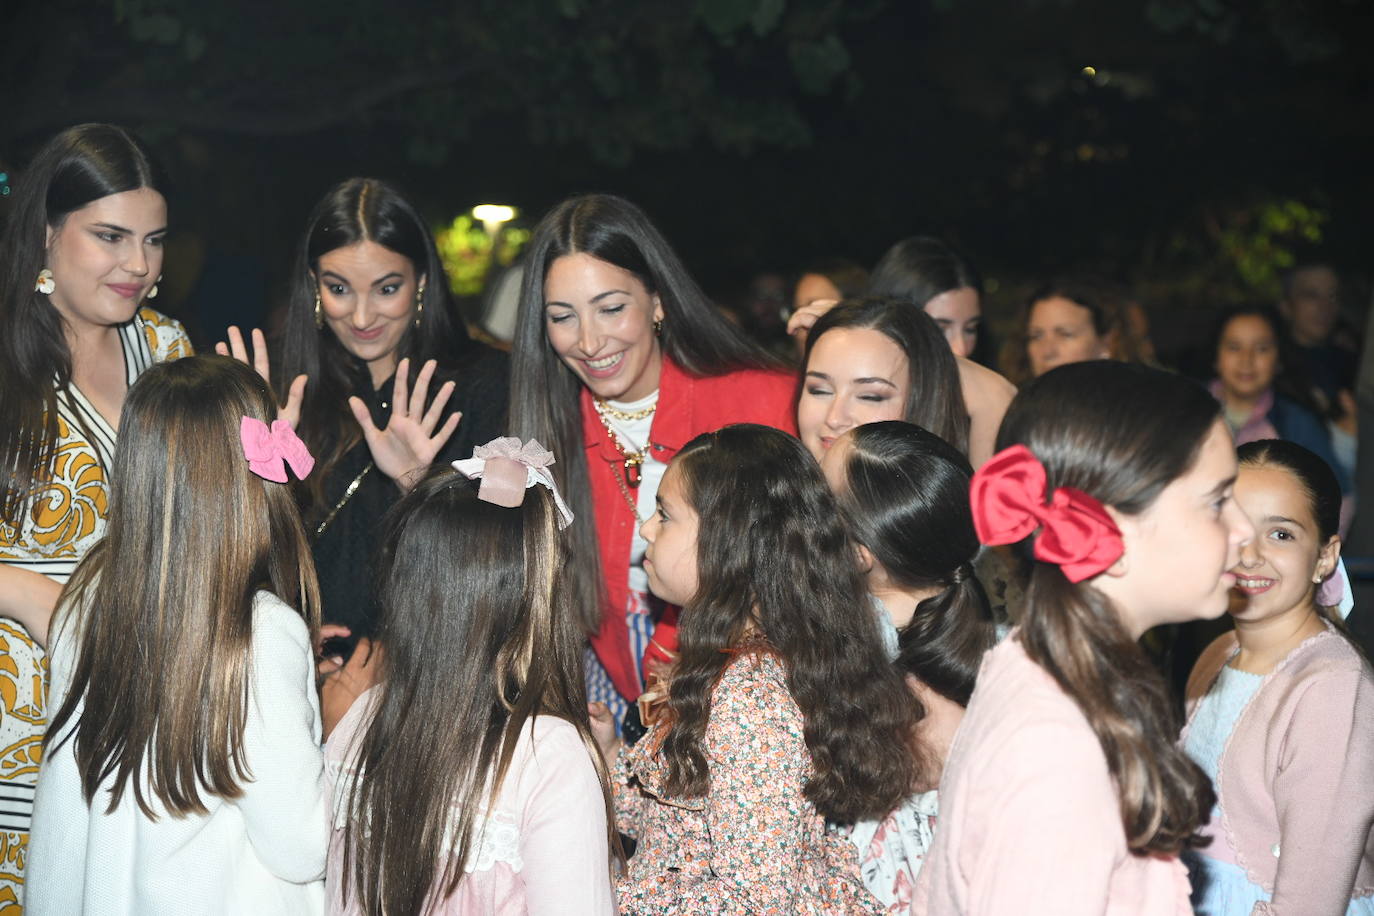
point(1059, 331)
point(1247, 358)
point(1313, 304)
point(959, 313)
point(814, 288)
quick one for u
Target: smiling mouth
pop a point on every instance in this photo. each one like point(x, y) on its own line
point(605, 362)
point(369, 334)
point(127, 290)
point(1250, 585)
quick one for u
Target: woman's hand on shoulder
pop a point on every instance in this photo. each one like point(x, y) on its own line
point(236, 348)
point(412, 437)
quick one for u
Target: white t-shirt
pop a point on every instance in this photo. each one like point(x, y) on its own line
point(633, 436)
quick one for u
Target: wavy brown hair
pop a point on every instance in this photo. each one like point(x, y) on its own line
point(479, 643)
point(162, 607)
point(773, 554)
point(75, 168)
point(1120, 433)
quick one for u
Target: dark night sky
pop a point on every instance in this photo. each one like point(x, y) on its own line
point(965, 118)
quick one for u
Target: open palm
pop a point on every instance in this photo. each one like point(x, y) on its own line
point(412, 436)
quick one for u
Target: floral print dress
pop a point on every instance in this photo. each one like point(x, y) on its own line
point(753, 844)
point(61, 525)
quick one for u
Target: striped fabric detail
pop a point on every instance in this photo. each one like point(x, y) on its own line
point(16, 806)
point(600, 687)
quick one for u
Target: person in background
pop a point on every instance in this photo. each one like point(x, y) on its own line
point(934, 277)
point(829, 280)
point(1260, 385)
point(80, 258)
point(1311, 306)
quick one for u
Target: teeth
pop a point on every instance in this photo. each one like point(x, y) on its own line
point(606, 362)
point(1254, 583)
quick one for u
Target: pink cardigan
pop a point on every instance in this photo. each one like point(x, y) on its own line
point(1299, 765)
point(1029, 819)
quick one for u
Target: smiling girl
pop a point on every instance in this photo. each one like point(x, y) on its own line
point(619, 359)
point(1282, 711)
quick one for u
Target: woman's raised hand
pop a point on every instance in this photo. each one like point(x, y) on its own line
point(236, 348)
point(410, 440)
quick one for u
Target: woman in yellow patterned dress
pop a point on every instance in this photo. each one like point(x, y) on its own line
point(81, 252)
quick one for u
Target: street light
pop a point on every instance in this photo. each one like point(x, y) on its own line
point(493, 216)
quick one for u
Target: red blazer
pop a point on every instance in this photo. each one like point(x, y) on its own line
point(687, 407)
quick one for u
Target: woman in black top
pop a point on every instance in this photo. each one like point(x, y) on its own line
point(370, 306)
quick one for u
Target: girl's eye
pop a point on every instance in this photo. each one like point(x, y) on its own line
point(335, 289)
point(662, 516)
point(613, 309)
point(1281, 535)
point(816, 391)
point(559, 318)
point(108, 236)
point(390, 289)
point(156, 242)
point(873, 398)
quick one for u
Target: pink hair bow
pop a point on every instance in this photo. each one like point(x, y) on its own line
point(270, 449)
point(507, 469)
point(1009, 501)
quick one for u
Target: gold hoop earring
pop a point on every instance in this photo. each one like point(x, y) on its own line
point(44, 284)
point(319, 311)
point(419, 304)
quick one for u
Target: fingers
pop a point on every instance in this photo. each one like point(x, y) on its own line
point(364, 418)
point(445, 431)
point(237, 349)
point(437, 407)
point(260, 360)
point(420, 392)
point(291, 413)
point(399, 402)
point(222, 348)
point(804, 318)
point(330, 631)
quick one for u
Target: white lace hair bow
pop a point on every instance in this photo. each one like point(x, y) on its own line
point(507, 469)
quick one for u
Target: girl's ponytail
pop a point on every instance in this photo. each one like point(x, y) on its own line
point(943, 645)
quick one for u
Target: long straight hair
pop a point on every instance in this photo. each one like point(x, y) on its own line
point(773, 553)
point(935, 398)
point(905, 494)
point(77, 167)
point(479, 643)
point(1120, 433)
point(545, 393)
point(354, 211)
point(162, 607)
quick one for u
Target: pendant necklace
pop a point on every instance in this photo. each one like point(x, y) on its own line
point(632, 462)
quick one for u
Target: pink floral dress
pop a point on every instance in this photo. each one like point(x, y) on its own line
point(753, 845)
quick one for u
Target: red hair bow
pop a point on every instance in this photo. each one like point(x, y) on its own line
point(1008, 499)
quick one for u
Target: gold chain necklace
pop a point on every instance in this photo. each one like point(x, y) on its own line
point(632, 461)
point(606, 408)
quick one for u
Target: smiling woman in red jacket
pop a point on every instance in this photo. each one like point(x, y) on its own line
point(618, 360)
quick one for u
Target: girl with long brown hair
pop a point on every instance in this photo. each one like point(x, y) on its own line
point(182, 772)
point(466, 781)
point(1064, 792)
point(782, 712)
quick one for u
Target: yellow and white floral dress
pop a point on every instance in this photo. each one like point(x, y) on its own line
point(61, 525)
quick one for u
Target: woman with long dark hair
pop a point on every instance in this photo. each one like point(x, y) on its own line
point(80, 257)
point(369, 313)
point(619, 359)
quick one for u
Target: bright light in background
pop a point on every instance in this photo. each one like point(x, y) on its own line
point(1090, 72)
point(493, 215)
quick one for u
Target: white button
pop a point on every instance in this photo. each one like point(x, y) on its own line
point(1275, 850)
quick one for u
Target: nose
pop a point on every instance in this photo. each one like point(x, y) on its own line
point(1243, 535)
point(837, 417)
point(137, 261)
point(958, 342)
point(591, 339)
point(649, 528)
point(362, 314)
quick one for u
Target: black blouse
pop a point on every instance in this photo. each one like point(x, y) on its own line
point(344, 550)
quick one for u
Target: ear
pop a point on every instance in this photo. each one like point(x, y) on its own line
point(48, 235)
point(1126, 525)
point(866, 561)
point(658, 308)
point(421, 280)
point(1327, 558)
point(1108, 345)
